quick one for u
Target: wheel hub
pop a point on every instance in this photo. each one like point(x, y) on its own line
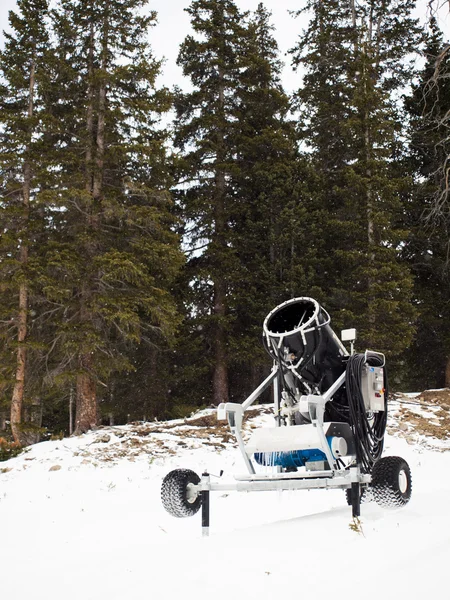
point(191, 493)
point(402, 481)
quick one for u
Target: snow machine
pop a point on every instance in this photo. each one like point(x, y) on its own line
point(330, 412)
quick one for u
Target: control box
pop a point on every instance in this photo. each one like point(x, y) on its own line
point(372, 387)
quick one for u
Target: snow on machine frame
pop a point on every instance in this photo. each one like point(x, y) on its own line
point(330, 419)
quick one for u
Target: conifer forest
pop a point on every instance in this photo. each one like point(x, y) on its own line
point(146, 232)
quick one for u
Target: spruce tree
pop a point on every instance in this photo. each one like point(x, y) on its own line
point(23, 76)
point(427, 250)
point(356, 56)
point(112, 254)
point(242, 199)
point(205, 134)
point(272, 214)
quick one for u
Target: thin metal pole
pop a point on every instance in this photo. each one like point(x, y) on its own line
point(276, 400)
point(205, 509)
point(334, 388)
point(260, 389)
point(356, 500)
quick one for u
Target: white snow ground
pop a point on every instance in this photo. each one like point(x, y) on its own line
point(81, 518)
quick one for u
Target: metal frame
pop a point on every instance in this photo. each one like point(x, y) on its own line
point(290, 481)
point(340, 469)
point(333, 478)
point(234, 414)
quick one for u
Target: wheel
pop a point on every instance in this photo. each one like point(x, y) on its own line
point(177, 495)
point(391, 482)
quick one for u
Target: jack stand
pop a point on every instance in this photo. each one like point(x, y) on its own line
point(355, 473)
point(356, 500)
point(205, 507)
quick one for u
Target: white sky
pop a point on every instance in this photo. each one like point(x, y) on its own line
point(173, 26)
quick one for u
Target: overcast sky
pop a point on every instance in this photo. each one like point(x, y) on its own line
point(173, 26)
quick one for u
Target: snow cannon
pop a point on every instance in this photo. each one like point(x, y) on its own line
point(298, 336)
point(329, 421)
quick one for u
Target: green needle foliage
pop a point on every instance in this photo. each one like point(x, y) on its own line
point(206, 136)
point(427, 249)
point(275, 197)
point(241, 198)
point(22, 176)
point(111, 255)
point(270, 224)
point(357, 60)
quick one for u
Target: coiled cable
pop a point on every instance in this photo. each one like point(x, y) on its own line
point(368, 428)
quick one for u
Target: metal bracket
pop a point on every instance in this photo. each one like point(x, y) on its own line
point(234, 414)
point(367, 354)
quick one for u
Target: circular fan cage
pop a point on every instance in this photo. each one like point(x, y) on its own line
point(297, 335)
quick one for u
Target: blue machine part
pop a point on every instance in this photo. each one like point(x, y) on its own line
point(294, 458)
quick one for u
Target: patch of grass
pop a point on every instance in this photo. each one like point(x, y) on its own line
point(437, 427)
point(356, 526)
point(439, 397)
point(9, 449)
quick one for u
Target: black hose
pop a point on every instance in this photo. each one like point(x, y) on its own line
point(369, 434)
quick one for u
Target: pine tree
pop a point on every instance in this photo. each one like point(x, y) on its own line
point(242, 199)
point(112, 254)
point(272, 215)
point(23, 75)
point(356, 57)
point(428, 243)
point(206, 135)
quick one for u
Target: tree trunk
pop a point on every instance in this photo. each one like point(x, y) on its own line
point(32, 416)
point(371, 318)
point(19, 386)
point(90, 113)
point(22, 321)
point(100, 141)
point(86, 402)
point(71, 410)
point(220, 378)
point(86, 399)
point(371, 242)
point(354, 26)
point(447, 373)
point(86, 412)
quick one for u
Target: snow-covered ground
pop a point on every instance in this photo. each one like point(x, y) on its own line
point(81, 518)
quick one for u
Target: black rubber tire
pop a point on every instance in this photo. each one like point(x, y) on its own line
point(174, 493)
point(391, 482)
